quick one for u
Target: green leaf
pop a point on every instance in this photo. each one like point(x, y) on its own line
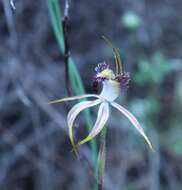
point(75, 79)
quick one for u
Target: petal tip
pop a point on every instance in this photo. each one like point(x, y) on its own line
point(148, 142)
point(75, 150)
point(151, 148)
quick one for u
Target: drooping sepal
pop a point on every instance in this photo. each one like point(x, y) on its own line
point(134, 121)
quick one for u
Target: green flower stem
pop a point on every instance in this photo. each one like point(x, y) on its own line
point(74, 76)
point(101, 160)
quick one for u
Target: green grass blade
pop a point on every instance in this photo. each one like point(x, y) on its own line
point(75, 79)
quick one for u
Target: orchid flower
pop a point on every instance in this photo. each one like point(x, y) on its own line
point(113, 84)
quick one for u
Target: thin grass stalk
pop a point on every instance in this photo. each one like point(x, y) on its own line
point(74, 76)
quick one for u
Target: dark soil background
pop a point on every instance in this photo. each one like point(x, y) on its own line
point(34, 146)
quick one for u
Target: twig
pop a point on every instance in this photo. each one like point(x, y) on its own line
point(66, 8)
point(12, 4)
point(10, 23)
point(66, 46)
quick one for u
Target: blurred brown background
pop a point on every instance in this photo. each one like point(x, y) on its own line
point(34, 145)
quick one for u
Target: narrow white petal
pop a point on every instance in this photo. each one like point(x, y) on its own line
point(102, 117)
point(75, 111)
point(133, 120)
point(74, 98)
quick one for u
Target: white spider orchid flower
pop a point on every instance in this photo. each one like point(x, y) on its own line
point(112, 85)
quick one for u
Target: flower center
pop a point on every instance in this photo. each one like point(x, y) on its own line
point(110, 90)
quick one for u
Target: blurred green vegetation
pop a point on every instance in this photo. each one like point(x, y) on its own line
point(131, 20)
point(153, 70)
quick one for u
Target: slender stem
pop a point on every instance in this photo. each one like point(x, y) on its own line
point(66, 45)
point(101, 160)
